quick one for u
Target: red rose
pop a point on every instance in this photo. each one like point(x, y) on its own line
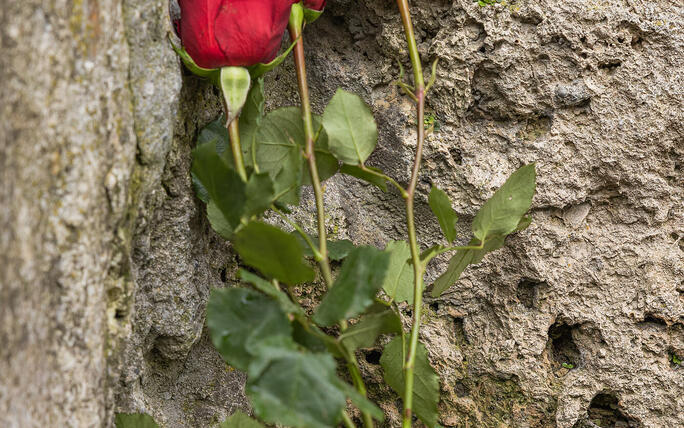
point(221, 33)
point(314, 4)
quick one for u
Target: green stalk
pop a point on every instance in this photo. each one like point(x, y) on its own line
point(419, 85)
point(348, 423)
point(309, 153)
point(234, 133)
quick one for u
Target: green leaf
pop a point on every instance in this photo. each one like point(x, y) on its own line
point(326, 163)
point(278, 151)
point(502, 213)
point(379, 320)
point(275, 253)
point(222, 184)
point(240, 420)
point(359, 173)
point(498, 217)
point(134, 420)
point(337, 250)
point(441, 207)
point(310, 337)
point(306, 339)
point(279, 148)
point(287, 305)
point(218, 221)
point(306, 249)
point(200, 191)
point(426, 381)
point(461, 260)
point(260, 192)
point(240, 319)
point(216, 132)
point(524, 223)
point(352, 132)
point(250, 120)
point(295, 389)
point(364, 404)
point(398, 284)
point(359, 280)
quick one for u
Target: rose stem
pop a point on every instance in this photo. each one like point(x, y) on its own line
point(419, 84)
point(309, 154)
point(347, 421)
point(234, 133)
point(300, 65)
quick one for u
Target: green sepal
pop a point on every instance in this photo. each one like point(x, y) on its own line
point(213, 74)
point(207, 73)
point(259, 70)
point(297, 17)
point(234, 83)
point(311, 15)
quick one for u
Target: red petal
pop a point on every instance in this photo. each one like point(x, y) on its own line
point(197, 32)
point(250, 32)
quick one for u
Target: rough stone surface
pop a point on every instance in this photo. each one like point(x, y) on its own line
point(66, 145)
point(107, 259)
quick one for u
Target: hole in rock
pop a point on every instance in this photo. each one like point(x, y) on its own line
point(527, 292)
point(459, 332)
point(654, 319)
point(610, 66)
point(224, 275)
point(120, 314)
point(461, 389)
point(434, 306)
point(372, 357)
point(605, 412)
point(456, 155)
point(564, 351)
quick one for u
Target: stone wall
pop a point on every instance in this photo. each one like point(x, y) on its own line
point(107, 259)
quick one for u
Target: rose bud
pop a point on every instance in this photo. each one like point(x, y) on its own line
point(317, 5)
point(222, 33)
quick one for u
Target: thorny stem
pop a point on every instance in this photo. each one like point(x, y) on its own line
point(234, 133)
point(419, 85)
point(309, 153)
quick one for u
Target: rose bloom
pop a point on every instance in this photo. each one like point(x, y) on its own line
point(314, 4)
point(221, 33)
